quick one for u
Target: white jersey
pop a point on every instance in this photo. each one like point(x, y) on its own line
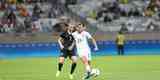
point(82, 45)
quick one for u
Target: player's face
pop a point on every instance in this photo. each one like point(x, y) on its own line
point(80, 28)
point(71, 27)
point(84, 28)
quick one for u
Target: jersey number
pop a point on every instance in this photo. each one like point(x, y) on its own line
point(79, 40)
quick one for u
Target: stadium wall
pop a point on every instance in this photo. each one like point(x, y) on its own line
point(52, 37)
point(50, 49)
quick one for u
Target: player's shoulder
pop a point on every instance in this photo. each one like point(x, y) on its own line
point(86, 32)
point(62, 34)
point(74, 33)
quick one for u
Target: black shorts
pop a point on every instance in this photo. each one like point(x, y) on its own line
point(67, 53)
point(120, 46)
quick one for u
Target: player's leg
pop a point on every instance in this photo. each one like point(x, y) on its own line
point(89, 62)
point(89, 59)
point(73, 66)
point(87, 66)
point(122, 49)
point(119, 50)
point(60, 65)
point(84, 57)
point(61, 62)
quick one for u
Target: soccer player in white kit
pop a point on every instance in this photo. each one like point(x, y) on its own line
point(83, 50)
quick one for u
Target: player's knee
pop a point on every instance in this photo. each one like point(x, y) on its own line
point(61, 60)
point(86, 63)
point(85, 60)
point(74, 62)
point(74, 59)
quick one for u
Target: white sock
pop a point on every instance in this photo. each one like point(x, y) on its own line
point(88, 68)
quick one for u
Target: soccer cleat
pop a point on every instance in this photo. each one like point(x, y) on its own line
point(58, 73)
point(71, 76)
point(88, 75)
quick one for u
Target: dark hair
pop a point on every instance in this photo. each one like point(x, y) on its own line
point(82, 24)
point(58, 27)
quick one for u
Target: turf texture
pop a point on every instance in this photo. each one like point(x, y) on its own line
point(111, 67)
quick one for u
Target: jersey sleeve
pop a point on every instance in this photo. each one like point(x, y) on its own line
point(62, 35)
point(88, 35)
point(74, 34)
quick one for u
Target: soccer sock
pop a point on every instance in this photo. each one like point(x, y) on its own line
point(88, 68)
point(60, 65)
point(73, 68)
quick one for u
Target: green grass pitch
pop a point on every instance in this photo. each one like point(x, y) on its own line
point(112, 68)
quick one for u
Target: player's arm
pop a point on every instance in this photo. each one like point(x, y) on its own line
point(94, 43)
point(60, 42)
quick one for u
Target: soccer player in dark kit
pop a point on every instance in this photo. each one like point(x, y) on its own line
point(67, 44)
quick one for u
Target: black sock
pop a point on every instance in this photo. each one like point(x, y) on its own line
point(73, 68)
point(60, 65)
point(88, 75)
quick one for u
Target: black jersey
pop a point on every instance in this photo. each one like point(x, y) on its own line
point(68, 39)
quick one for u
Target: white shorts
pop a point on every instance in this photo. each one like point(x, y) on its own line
point(84, 53)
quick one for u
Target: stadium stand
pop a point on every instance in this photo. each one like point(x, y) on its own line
point(40, 17)
point(30, 15)
point(104, 15)
point(108, 15)
point(25, 24)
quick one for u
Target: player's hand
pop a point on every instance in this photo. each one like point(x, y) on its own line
point(70, 48)
point(96, 49)
point(62, 47)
